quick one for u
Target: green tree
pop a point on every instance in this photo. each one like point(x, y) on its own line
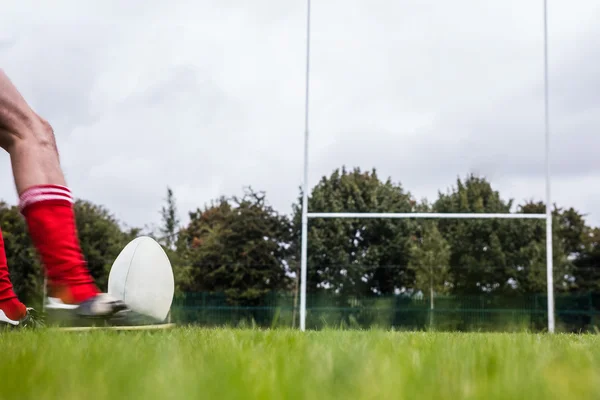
point(478, 261)
point(568, 245)
point(357, 257)
point(506, 256)
point(168, 237)
point(237, 246)
point(587, 265)
point(170, 221)
point(430, 259)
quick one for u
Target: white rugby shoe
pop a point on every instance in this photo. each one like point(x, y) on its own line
point(100, 307)
point(30, 320)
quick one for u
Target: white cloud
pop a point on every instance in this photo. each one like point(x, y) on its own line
point(209, 96)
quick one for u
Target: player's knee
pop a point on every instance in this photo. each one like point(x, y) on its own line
point(44, 135)
point(38, 135)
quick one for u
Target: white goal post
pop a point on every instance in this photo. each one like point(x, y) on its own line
point(547, 216)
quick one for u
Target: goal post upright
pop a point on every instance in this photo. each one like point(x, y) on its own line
point(547, 216)
point(304, 249)
point(549, 252)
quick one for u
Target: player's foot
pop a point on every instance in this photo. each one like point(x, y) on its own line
point(29, 320)
point(99, 307)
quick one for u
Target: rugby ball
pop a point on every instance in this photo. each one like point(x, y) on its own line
point(142, 277)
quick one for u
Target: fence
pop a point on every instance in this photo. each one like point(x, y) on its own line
point(574, 313)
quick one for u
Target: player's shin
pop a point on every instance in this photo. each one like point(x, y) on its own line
point(48, 210)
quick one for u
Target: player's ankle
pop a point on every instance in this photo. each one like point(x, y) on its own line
point(13, 309)
point(74, 294)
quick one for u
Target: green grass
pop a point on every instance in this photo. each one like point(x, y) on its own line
point(191, 363)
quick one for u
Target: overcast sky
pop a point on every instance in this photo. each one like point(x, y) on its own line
point(208, 96)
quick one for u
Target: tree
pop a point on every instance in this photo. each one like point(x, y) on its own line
point(568, 245)
point(506, 256)
point(237, 246)
point(429, 259)
point(587, 265)
point(170, 221)
point(478, 261)
point(169, 239)
point(357, 257)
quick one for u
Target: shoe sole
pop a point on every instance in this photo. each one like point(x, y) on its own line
point(115, 328)
point(66, 317)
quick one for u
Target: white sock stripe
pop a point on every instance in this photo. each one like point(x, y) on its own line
point(44, 191)
point(33, 200)
point(44, 197)
point(35, 190)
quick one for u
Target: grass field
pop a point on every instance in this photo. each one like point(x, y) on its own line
point(188, 363)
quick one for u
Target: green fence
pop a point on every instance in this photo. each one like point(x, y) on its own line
point(574, 313)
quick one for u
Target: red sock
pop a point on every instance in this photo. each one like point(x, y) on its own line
point(9, 303)
point(48, 210)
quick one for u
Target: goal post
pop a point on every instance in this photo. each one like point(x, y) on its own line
point(306, 215)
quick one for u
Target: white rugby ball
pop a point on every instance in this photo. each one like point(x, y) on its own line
point(142, 277)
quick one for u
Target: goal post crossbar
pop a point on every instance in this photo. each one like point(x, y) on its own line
point(428, 215)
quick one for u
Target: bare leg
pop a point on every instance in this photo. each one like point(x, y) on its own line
point(47, 204)
point(29, 140)
point(35, 160)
